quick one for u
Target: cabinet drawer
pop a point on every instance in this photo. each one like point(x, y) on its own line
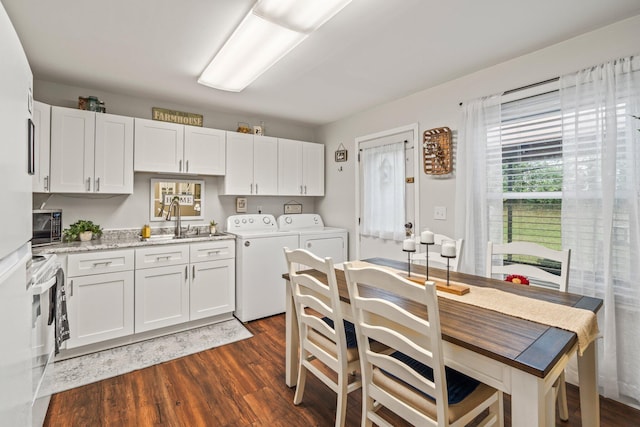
point(99, 262)
point(160, 256)
point(211, 251)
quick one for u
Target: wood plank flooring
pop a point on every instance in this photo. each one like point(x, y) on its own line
point(239, 384)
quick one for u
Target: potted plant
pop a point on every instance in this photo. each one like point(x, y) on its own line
point(83, 230)
point(212, 226)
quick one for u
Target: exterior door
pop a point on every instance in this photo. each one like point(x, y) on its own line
point(368, 246)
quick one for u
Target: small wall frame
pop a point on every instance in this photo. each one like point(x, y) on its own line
point(437, 152)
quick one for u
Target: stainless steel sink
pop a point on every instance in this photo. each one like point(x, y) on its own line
point(165, 237)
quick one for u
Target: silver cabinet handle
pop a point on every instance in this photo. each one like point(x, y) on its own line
point(179, 165)
point(187, 166)
point(193, 272)
point(71, 288)
point(256, 188)
point(97, 184)
point(46, 183)
point(305, 189)
point(251, 188)
point(301, 189)
point(165, 257)
point(89, 184)
point(186, 272)
point(105, 263)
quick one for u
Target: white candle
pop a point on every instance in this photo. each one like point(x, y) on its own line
point(426, 237)
point(409, 245)
point(449, 249)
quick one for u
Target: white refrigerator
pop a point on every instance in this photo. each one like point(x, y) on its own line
point(15, 228)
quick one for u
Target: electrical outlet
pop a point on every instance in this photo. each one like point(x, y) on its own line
point(440, 212)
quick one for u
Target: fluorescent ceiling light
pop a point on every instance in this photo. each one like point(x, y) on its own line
point(268, 32)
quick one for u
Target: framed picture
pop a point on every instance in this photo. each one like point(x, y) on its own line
point(341, 155)
point(241, 204)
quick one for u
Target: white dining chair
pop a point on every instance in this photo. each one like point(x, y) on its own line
point(433, 252)
point(496, 265)
point(324, 339)
point(411, 382)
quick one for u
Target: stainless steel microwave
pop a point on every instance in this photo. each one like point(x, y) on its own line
point(47, 227)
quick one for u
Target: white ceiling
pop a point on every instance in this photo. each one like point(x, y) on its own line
point(374, 51)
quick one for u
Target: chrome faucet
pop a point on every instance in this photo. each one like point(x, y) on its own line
point(178, 230)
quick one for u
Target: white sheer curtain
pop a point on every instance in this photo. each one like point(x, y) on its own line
point(600, 222)
point(479, 181)
point(384, 198)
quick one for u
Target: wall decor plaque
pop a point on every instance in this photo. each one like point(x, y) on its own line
point(341, 153)
point(172, 116)
point(437, 152)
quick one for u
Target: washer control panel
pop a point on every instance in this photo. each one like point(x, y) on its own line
point(251, 222)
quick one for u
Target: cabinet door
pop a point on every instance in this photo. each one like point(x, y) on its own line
point(72, 150)
point(289, 167)
point(113, 154)
point(42, 122)
point(212, 289)
point(313, 169)
point(159, 146)
point(204, 150)
point(100, 307)
point(265, 165)
point(161, 297)
point(239, 177)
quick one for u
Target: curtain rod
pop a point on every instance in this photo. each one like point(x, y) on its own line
point(544, 82)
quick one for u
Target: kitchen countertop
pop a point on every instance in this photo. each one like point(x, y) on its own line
point(124, 241)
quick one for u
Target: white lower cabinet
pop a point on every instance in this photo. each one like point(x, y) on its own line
point(162, 287)
point(213, 276)
point(100, 294)
point(118, 293)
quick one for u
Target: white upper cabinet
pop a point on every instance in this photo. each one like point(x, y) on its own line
point(91, 152)
point(174, 148)
point(42, 122)
point(301, 168)
point(252, 165)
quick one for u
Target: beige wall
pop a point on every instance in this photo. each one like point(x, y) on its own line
point(439, 106)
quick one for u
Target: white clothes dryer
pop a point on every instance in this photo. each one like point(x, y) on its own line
point(315, 237)
point(260, 264)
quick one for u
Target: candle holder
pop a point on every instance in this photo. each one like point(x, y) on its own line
point(448, 257)
point(426, 257)
point(409, 252)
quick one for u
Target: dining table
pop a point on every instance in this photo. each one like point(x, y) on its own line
point(520, 357)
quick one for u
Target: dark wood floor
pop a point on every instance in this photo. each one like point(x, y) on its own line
point(240, 384)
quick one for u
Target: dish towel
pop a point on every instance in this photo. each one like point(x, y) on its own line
point(59, 310)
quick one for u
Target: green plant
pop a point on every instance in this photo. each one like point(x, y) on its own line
point(73, 232)
point(213, 223)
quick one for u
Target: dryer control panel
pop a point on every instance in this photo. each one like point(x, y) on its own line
point(297, 221)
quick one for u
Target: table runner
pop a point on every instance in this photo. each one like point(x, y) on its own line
point(583, 323)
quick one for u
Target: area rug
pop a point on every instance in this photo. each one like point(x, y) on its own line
point(82, 370)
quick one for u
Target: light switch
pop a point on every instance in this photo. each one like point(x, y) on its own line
point(440, 212)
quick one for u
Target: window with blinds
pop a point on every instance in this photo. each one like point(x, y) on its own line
point(531, 158)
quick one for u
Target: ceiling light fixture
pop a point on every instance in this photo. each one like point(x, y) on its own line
point(269, 31)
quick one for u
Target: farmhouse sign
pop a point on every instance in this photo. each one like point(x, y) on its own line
point(164, 115)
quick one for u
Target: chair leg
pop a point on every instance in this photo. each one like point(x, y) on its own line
point(341, 407)
point(367, 405)
point(563, 409)
point(302, 380)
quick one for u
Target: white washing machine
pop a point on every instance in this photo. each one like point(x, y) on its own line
point(315, 237)
point(260, 264)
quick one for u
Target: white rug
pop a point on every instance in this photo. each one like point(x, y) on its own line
point(76, 372)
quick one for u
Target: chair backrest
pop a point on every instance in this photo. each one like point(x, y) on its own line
point(495, 266)
point(435, 260)
point(392, 325)
point(314, 300)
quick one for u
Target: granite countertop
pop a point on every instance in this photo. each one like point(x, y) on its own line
point(129, 238)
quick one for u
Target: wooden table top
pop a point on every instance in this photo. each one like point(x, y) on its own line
point(529, 346)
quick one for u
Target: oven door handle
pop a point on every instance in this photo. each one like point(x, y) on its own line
point(41, 288)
